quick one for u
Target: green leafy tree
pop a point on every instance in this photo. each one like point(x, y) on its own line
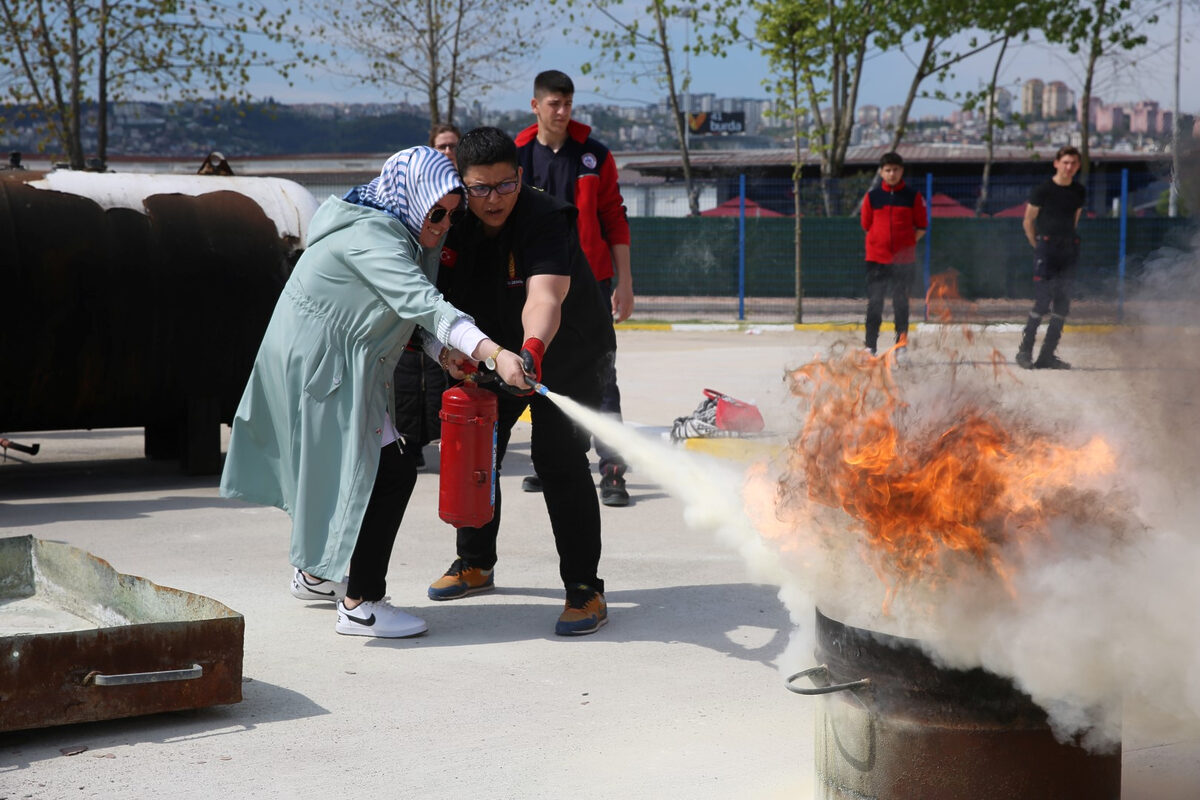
point(936, 25)
point(829, 56)
point(638, 44)
point(1097, 29)
point(1007, 20)
point(434, 47)
point(60, 56)
point(781, 34)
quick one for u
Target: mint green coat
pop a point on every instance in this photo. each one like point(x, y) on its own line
point(306, 434)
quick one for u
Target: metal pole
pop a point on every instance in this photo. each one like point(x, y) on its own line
point(1173, 200)
point(1121, 260)
point(742, 246)
point(928, 235)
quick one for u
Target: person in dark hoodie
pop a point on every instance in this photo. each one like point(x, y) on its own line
point(893, 215)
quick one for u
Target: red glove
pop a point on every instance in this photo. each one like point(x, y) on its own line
point(532, 352)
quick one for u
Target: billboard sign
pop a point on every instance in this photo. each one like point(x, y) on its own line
point(704, 123)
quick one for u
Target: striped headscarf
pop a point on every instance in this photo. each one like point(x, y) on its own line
point(410, 184)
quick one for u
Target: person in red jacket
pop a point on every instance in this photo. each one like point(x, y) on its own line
point(558, 155)
point(893, 215)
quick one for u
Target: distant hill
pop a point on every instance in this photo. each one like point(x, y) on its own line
point(235, 129)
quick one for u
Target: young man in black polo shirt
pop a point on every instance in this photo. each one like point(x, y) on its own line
point(1051, 219)
point(515, 264)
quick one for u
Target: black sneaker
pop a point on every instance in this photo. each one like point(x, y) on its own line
point(531, 483)
point(1024, 360)
point(1051, 362)
point(612, 487)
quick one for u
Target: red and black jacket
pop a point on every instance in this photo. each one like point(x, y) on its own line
point(585, 175)
point(891, 216)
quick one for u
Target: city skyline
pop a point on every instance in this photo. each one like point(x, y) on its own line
point(885, 77)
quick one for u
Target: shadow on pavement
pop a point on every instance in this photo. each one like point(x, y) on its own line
point(261, 703)
point(741, 620)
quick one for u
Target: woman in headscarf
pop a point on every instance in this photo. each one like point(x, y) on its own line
point(313, 433)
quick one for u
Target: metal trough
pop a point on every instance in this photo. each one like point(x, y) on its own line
point(81, 642)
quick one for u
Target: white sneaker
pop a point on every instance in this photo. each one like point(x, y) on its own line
point(377, 618)
point(317, 589)
point(901, 355)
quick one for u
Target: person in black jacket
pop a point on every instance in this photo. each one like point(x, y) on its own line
point(1051, 219)
point(515, 265)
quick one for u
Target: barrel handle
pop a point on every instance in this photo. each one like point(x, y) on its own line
point(822, 669)
point(162, 676)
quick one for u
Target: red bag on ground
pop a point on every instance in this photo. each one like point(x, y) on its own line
point(735, 415)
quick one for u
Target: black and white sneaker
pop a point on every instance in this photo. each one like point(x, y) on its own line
point(316, 589)
point(377, 618)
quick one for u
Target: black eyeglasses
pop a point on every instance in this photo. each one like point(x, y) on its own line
point(439, 213)
point(484, 189)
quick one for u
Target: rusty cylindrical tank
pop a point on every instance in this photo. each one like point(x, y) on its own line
point(139, 300)
point(896, 726)
point(467, 494)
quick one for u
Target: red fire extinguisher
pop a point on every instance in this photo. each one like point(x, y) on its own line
point(467, 495)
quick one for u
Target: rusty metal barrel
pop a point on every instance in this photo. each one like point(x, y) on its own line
point(895, 725)
point(133, 300)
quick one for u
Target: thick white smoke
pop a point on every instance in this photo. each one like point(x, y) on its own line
point(1099, 620)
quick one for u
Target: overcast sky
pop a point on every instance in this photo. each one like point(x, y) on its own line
point(885, 78)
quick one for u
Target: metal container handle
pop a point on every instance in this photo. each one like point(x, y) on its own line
point(162, 676)
point(836, 687)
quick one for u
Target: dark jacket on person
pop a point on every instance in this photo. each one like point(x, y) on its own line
point(485, 277)
point(891, 215)
point(584, 174)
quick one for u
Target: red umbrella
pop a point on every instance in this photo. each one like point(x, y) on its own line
point(1012, 211)
point(730, 209)
point(946, 206)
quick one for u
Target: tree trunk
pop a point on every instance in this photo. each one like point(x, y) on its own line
point(75, 89)
point(102, 88)
point(680, 123)
point(452, 94)
point(434, 80)
point(990, 132)
point(1095, 48)
point(920, 75)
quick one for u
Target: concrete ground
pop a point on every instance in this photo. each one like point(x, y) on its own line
point(681, 695)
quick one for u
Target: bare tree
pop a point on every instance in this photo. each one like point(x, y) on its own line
point(61, 55)
point(1098, 29)
point(433, 47)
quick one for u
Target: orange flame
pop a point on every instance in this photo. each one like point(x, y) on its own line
point(923, 493)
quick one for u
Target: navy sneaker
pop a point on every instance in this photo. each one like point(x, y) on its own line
point(585, 611)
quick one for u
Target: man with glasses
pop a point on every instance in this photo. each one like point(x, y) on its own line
point(516, 266)
point(559, 155)
point(444, 138)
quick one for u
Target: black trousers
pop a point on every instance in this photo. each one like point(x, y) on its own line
point(1053, 280)
point(394, 482)
point(560, 456)
point(884, 279)
point(610, 397)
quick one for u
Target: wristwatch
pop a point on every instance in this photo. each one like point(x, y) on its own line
point(490, 361)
